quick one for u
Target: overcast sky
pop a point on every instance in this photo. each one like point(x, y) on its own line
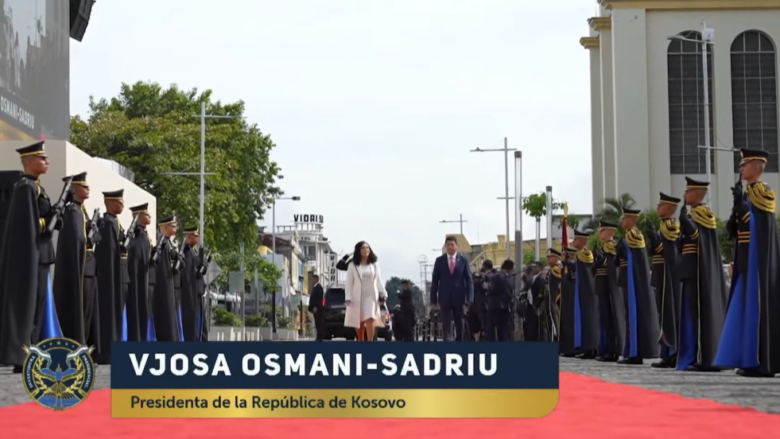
point(383, 97)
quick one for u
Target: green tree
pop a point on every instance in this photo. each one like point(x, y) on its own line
point(267, 273)
point(151, 130)
point(611, 212)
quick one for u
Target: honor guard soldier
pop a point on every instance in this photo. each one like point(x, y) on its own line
point(109, 269)
point(567, 342)
point(751, 333)
point(634, 279)
point(163, 309)
point(75, 303)
point(666, 277)
point(703, 304)
point(587, 312)
point(554, 291)
point(138, 257)
point(612, 313)
point(191, 291)
point(25, 262)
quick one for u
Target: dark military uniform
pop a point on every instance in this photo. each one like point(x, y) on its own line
point(750, 340)
point(27, 313)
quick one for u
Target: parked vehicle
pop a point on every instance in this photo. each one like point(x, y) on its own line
point(335, 309)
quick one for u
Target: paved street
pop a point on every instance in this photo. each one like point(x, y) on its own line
point(725, 387)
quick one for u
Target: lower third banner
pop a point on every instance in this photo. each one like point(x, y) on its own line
point(333, 380)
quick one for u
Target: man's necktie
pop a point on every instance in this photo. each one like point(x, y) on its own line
point(452, 265)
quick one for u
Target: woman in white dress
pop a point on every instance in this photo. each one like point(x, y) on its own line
point(364, 291)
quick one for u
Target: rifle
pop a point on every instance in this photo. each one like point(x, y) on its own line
point(59, 208)
point(130, 234)
point(179, 256)
point(205, 260)
point(93, 233)
point(158, 248)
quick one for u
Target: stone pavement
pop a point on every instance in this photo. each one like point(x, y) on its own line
point(725, 387)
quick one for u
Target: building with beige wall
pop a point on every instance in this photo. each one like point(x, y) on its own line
point(647, 103)
point(66, 159)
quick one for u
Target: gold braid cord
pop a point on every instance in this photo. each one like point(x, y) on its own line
point(703, 216)
point(761, 197)
point(585, 255)
point(670, 229)
point(609, 247)
point(635, 239)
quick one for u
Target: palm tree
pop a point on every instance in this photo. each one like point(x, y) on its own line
point(612, 210)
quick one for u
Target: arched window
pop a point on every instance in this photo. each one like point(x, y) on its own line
point(754, 95)
point(685, 76)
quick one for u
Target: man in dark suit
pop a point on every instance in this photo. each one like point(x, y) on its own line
point(315, 306)
point(452, 288)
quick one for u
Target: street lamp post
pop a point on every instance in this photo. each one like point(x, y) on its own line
point(273, 258)
point(505, 150)
point(707, 36)
point(460, 221)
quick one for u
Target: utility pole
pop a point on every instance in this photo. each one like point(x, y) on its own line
point(202, 174)
point(243, 294)
point(549, 218)
point(460, 221)
point(518, 214)
point(505, 150)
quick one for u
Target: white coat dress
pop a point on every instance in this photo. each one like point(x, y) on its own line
point(363, 289)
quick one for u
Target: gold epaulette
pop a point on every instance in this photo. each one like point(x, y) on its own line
point(761, 196)
point(703, 216)
point(585, 255)
point(670, 229)
point(555, 271)
point(609, 247)
point(635, 239)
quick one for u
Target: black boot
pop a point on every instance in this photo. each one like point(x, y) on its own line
point(633, 361)
point(17, 369)
point(754, 373)
point(587, 355)
point(665, 363)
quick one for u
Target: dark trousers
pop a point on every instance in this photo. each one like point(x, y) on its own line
point(449, 314)
point(499, 325)
point(319, 324)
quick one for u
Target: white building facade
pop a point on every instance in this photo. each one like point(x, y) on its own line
point(647, 95)
point(309, 230)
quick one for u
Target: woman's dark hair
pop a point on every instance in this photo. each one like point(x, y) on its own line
point(356, 259)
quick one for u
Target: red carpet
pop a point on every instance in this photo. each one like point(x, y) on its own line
point(589, 408)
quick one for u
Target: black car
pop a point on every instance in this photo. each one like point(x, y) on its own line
point(335, 309)
point(385, 333)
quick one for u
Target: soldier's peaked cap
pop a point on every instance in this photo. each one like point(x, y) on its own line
point(140, 208)
point(668, 199)
point(80, 179)
point(167, 220)
point(752, 154)
point(114, 195)
point(693, 184)
point(607, 225)
point(36, 148)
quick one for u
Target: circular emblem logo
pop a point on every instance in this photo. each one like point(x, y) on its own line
point(58, 373)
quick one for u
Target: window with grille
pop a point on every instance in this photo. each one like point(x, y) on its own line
point(685, 75)
point(754, 95)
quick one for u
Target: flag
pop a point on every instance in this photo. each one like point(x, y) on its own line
point(565, 229)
